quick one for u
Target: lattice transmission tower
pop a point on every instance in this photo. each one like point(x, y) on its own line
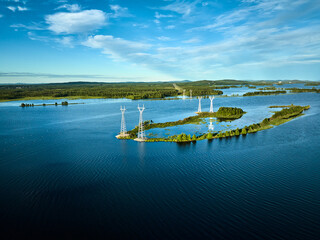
point(123, 130)
point(199, 107)
point(141, 134)
point(211, 103)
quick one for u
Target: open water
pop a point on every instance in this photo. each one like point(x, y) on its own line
point(64, 175)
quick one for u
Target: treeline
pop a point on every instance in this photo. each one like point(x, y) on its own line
point(312, 84)
point(303, 90)
point(261, 93)
point(226, 87)
point(26, 105)
point(289, 112)
point(101, 90)
point(65, 103)
point(268, 88)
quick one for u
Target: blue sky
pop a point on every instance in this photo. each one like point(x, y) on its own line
point(126, 40)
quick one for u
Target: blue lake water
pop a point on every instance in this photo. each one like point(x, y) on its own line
point(64, 175)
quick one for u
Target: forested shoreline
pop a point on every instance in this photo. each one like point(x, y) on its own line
point(134, 91)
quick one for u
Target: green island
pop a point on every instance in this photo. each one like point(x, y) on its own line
point(130, 90)
point(288, 113)
point(65, 103)
point(261, 93)
point(312, 84)
point(303, 90)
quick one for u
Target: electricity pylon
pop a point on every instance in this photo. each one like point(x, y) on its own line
point(141, 134)
point(123, 130)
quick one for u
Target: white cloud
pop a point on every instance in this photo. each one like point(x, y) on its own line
point(66, 41)
point(29, 27)
point(157, 15)
point(192, 40)
point(164, 38)
point(22, 8)
point(70, 7)
point(170, 27)
point(117, 47)
point(119, 11)
point(259, 49)
point(182, 7)
point(156, 21)
point(76, 22)
point(12, 8)
point(19, 8)
point(140, 25)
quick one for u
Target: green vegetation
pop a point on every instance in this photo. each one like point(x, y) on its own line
point(312, 84)
point(225, 87)
point(101, 90)
point(303, 90)
point(261, 93)
point(276, 119)
point(280, 117)
point(160, 90)
point(229, 113)
point(26, 105)
point(281, 106)
point(65, 103)
point(223, 114)
point(268, 88)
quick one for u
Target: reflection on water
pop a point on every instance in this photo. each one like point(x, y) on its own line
point(141, 153)
point(210, 126)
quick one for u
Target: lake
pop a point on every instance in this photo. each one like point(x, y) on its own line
point(64, 174)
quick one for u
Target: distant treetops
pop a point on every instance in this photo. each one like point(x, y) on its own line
point(65, 103)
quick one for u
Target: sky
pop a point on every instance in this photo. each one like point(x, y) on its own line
point(158, 40)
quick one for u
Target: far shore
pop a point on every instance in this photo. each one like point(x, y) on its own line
point(52, 98)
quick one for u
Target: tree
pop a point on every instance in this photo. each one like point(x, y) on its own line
point(209, 136)
point(189, 137)
point(227, 134)
point(194, 137)
point(184, 137)
point(244, 131)
point(22, 105)
point(237, 132)
point(179, 138)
